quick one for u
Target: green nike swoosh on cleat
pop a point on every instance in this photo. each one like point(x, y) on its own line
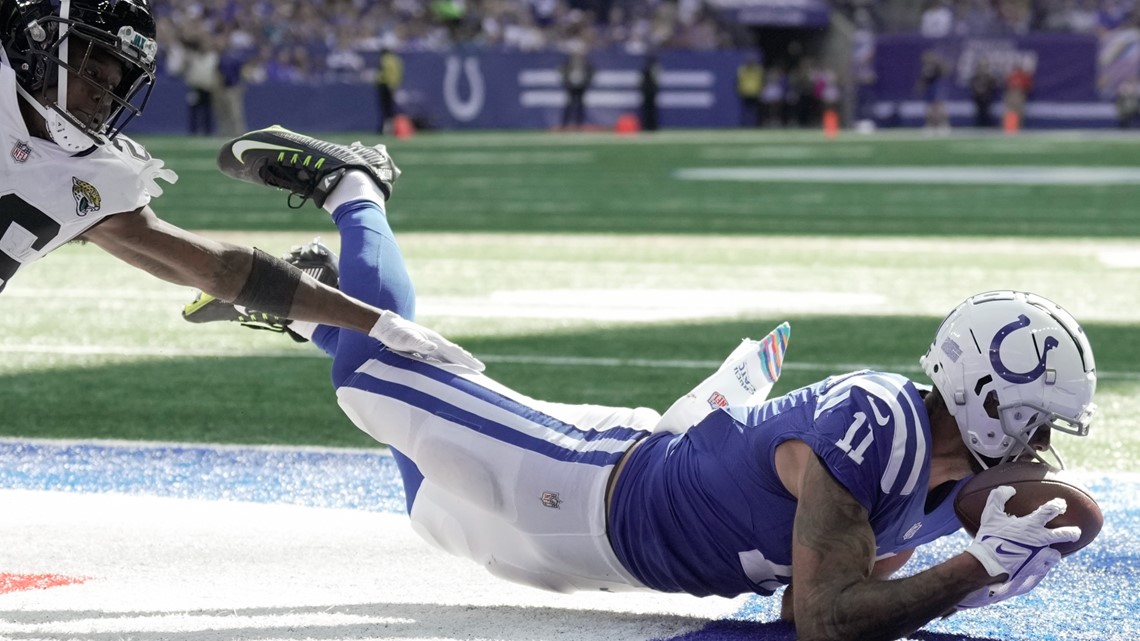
point(242, 147)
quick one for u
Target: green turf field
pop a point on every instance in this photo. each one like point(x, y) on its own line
point(584, 268)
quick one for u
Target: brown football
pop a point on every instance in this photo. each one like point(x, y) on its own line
point(1035, 484)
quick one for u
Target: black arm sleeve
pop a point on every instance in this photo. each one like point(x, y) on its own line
point(271, 285)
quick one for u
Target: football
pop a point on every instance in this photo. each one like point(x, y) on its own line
point(1035, 484)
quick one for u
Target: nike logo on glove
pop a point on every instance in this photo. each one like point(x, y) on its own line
point(242, 147)
point(1002, 548)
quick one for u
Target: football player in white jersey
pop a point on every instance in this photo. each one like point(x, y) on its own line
point(840, 480)
point(72, 73)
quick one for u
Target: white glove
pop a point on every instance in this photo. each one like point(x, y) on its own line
point(151, 172)
point(402, 335)
point(1017, 547)
point(1025, 580)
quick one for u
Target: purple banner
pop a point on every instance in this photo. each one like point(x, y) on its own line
point(1064, 73)
point(486, 90)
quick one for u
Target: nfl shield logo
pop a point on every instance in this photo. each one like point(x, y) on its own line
point(20, 151)
point(717, 400)
point(551, 499)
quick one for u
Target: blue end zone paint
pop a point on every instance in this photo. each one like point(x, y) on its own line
point(356, 480)
point(1092, 596)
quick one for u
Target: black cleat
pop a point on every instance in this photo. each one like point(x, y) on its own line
point(302, 165)
point(315, 259)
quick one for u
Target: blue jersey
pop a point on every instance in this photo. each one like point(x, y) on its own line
point(705, 513)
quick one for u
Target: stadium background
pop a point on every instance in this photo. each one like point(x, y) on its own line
point(215, 501)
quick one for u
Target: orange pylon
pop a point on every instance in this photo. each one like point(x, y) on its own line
point(1011, 122)
point(830, 123)
point(627, 123)
point(402, 126)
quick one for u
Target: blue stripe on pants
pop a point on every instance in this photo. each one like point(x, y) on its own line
point(372, 270)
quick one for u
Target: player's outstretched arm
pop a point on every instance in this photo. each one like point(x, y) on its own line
point(240, 274)
point(835, 595)
point(225, 271)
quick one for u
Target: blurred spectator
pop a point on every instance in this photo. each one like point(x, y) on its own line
point(983, 90)
point(333, 33)
point(932, 87)
point(229, 97)
point(1018, 84)
point(650, 82)
point(800, 103)
point(343, 63)
point(1128, 103)
point(288, 65)
point(826, 85)
point(976, 18)
point(982, 18)
point(1114, 13)
point(863, 65)
point(577, 73)
point(1014, 16)
point(389, 77)
point(749, 82)
point(201, 74)
point(1079, 16)
point(937, 19)
point(772, 97)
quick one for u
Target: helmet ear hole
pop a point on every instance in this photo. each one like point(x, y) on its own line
point(991, 404)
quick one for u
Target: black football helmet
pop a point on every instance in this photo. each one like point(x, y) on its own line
point(49, 43)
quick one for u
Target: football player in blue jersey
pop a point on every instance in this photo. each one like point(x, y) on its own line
point(72, 73)
point(824, 491)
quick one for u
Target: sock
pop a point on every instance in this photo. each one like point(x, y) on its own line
point(354, 185)
point(372, 270)
point(304, 329)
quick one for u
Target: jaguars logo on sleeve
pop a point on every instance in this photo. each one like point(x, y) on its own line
point(87, 199)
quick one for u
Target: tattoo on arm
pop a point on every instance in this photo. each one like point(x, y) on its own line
point(833, 553)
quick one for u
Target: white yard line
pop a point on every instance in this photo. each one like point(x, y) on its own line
point(522, 359)
point(956, 175)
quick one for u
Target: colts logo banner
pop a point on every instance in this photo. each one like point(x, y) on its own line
point(1018, 378)
point(87, 199)
point(21, 151)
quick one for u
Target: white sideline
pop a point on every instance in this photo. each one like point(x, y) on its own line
point(572, 361)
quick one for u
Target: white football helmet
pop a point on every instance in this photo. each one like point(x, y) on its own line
point(1007, 363)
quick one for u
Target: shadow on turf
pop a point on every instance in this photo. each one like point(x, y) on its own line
point(417, 620)
point(253, 400)
point(780, 631)
point(391, 621)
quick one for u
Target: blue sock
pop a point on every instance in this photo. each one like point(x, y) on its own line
point(372, 270)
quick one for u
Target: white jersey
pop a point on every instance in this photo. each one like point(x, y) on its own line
point(49, 196)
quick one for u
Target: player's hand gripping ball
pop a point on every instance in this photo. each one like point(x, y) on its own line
point(1035, 484)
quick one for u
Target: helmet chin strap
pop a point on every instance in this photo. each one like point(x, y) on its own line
point(1026, 452)
point(59, 129)
point(64, 55)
